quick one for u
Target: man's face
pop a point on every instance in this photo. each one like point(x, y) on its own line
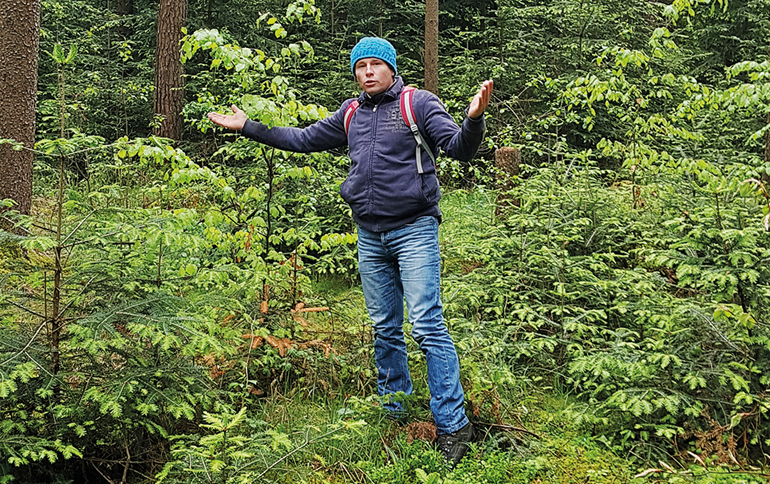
point(373, 75)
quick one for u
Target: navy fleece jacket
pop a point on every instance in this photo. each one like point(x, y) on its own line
point(383, 188)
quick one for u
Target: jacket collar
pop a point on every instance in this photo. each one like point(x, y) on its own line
point(391, 93)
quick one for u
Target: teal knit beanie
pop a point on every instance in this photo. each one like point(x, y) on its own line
point(373, 47)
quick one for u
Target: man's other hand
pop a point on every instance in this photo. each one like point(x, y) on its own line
point(480, 100)
point(230, 121)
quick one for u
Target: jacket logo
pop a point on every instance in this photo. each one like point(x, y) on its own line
point(393, 121)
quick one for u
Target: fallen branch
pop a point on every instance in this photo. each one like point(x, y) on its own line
point(510, 428)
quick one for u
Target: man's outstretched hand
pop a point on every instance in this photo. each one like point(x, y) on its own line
point(480, 100)
point(230, 121)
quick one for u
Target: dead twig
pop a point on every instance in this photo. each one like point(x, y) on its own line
point(510, 428)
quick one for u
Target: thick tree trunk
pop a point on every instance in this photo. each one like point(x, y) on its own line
point(19, 41)
point(169, 87)
point(431, 46)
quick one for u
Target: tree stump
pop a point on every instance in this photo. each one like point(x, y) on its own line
point(507, 161)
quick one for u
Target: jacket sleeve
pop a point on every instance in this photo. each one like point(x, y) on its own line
point(322, 135)
point(458, 142)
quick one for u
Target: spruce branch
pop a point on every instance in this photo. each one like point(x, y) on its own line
point(26, 309)
point(307, 442)
point(26, 347)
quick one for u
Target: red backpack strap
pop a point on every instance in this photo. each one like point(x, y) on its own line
point(407, 112)
point(349, 114)
point(407, 108)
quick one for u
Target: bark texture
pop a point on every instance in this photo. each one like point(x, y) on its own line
point(431, 46)
point(169, 87)
point(508, 163)
point(19, 42)
point(763, 175)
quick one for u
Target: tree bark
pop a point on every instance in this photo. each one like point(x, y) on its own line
point(763, 175)
point(431, 46)
point(169, 87)
point(19, 42)
point(508, 163)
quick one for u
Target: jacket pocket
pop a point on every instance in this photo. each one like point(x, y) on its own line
point(429, 185)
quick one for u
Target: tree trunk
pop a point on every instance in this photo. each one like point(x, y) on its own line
point(508, 163)
point(766, 158)
point(19, 41)
point(763, 175)
point(483, 12)
point(169, 89)
point(124, 8)
point(431, 46)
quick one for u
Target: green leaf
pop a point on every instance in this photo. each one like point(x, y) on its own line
point(58, 54)
point(72, 53)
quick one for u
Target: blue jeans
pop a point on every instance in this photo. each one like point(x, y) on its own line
point(404, 264)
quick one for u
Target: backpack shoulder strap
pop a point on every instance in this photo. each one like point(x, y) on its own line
point(349, 114)
point(407, 106)
point(407, 112)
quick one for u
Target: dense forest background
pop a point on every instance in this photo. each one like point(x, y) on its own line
point(180, 305)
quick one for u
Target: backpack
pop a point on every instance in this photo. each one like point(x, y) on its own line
point(407, 112)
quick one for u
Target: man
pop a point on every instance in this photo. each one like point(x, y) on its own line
point(395, 203)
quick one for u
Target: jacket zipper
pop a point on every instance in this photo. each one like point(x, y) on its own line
point(371, 154)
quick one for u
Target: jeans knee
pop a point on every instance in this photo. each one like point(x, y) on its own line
point(435, 331)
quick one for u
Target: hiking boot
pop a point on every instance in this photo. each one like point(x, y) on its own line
point(455, 445)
